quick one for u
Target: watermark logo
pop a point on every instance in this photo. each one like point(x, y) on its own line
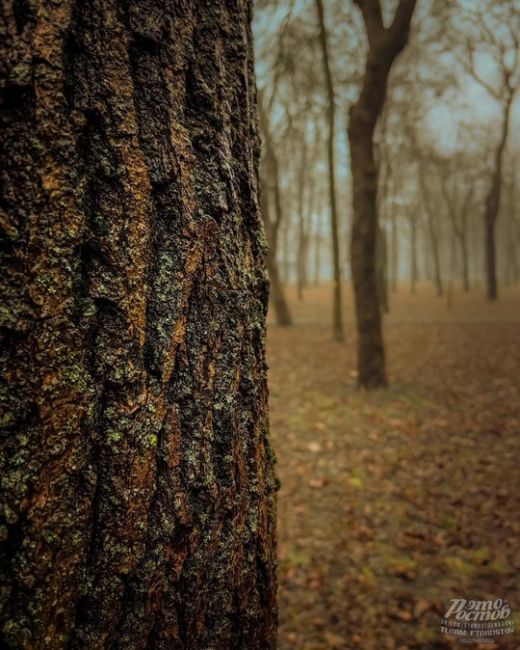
point(478, 621)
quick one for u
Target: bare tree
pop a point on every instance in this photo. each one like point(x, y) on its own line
point(270, 187)
point(331, 115)
point(458, 205)
point(494, 32)
point(384, 44)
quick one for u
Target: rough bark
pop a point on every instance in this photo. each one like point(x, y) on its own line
point(384, 44)
point(137, 483)
point(337, 318)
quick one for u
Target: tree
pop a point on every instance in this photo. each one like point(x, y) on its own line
point(270, 172)
point(384, 44)
point(493, 30)
point(337, 322)
point(458, 209)
point(422, 160)
point(137, 482)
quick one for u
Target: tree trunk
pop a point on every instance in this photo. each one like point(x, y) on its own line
point(395, 250)
point(277, 293)
point(337, 317)
point(490, 256)
point(414, 273)
point(302, 234)
point(464, 261)
point(270, 169)
point(432, 231)
point(382, 269)
point(492, 206)
point(384, 44)
point(137, 481)
point(317, 251)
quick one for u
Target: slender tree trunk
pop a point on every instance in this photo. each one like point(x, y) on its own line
point(512, 231)
point(277, 293)
point(432, 231)
point(414, 272)
point(492, 206)
point(281, 308)
point(270, 170)
point(384, 44)
point(137, 483)
point(307, 230)
point(464, 262)
point(382, 269)
point(395, 250)
point(451, 272)
point(286, 257)
point(301, 222)
point(317, 251)
point(337, 319)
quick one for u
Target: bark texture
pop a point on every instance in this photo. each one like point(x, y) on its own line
point(137, 485)
point(384, 44)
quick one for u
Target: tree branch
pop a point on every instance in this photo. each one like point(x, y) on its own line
point(373, 19)
point(402, 19)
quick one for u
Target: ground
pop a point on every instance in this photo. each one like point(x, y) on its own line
point(394, 502)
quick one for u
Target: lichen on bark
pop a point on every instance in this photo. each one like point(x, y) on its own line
point(136, 473)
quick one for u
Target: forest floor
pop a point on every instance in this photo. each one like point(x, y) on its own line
point(394, 502)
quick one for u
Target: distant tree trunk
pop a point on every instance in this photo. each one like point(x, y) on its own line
point(492, 206)
point(414, 271)
point(138, 504)
point(382, 269)
point(302, 234)
point(286, 258)
point(307, 230)
point(337, 322)
point(452, 259)
point(512, 231)
point(272, 226)
point(395, 250)
point(384, 44)
point(317, 251)
point(432, 231)
point(464, 261)
point(277, 294)
point(458, 219)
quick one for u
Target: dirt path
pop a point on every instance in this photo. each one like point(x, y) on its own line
point(395, 502)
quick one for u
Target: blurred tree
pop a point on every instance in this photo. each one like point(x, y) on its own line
point(384, 44)
point(337, 322)
point(270, 180)
point(492, 31)
point(137, 483)
point(423, 158)
point(512, 230)
point(458, 200)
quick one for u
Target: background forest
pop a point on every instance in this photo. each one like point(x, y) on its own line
point(393, 501)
